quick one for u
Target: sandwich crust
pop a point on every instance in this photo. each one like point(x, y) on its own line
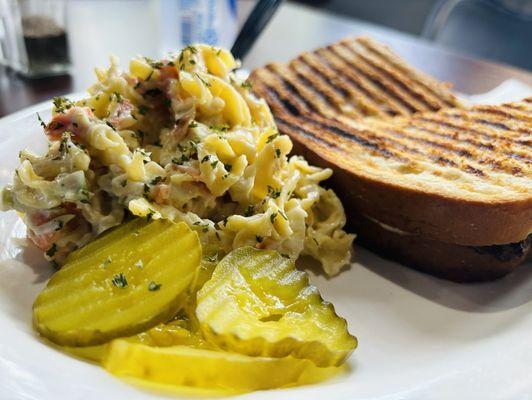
point(405, 151)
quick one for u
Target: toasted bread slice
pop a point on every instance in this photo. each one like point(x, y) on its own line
point(357, 79)
point(416, 159)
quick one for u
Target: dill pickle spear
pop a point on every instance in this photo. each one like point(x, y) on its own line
point(187, 366)
point(257, 303)
point(127, 284)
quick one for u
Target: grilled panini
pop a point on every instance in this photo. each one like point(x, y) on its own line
point(413, 165)
point(351, 81)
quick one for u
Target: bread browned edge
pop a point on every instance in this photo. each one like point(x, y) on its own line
point(435, 217)
point(429, 219)
point(444, 260)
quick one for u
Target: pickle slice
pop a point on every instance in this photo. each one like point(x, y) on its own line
point(257, 303)
point(186, 366)
point(126, 284)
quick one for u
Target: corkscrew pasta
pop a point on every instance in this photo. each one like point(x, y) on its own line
point(182, 138)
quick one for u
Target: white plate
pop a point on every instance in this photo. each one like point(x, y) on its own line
point(420, 337)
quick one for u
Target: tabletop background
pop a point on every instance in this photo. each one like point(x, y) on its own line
point(95, 32)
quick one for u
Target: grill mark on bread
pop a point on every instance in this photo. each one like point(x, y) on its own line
point(386, 92)
point(328, 102)
point(389, 105)
point(362, 98)
point(407, 89)
point(438, 89)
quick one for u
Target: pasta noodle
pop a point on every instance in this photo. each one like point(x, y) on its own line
point(181, 138)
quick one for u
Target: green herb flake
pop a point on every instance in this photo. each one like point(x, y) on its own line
point(153, 287)
point(247, 85)
point(259, 239)
point(52, 250)
point(202, 80)
point(106, 262)
point(143, 110)
point(273, 193)
point(277, 153)
point(272, 217)
point(41, 121)
point(271, 138)
point(193, 124)
point(120, 281)
point(156, 180)
point(150, 214)
point(214, 163)
point(249, 210)
point(61, 104)
point(60, 225)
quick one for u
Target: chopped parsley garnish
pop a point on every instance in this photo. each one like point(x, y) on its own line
point(214, 163)
point(273, 193)
point(202, 80)
point(41, 121)
point(146, 189)
point(52, 250)
point(271, 137)
point(285, 255)
point(212, 258)
point(205, 159)
point(190, 48)
point(277, 153)
point(62, 104)
point(143, 110)
point(110, 125)
point(193, 124)
point(60, 225)
point(120, 281)
point(192, 61)
point(249, 210)
point(152, 287)
point(219, 128)
point(259, 239)
point(150, 214)
point(118, 97)
point(86, 195)
point(228, 167)
point(204, 226)
point(272, 217)
point(156, 180)
point(106, 262)
point(247, 85)
point(123, 183)
point(140, 134)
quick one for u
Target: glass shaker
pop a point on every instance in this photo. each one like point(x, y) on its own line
point(33, 37)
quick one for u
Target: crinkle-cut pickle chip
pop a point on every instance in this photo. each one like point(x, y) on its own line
point(257, 303)
point(187, 366)
point(126, 282)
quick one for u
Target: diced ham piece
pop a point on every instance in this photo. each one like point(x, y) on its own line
point(122, 115)
point(66, 122)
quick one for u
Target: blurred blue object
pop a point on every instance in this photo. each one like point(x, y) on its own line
point(494, 29)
